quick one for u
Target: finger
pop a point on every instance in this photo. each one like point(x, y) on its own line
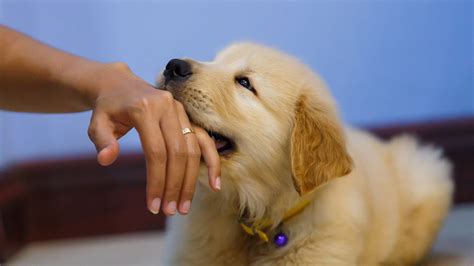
point(101, 133)
point(176, 159)
point(210, 156)
point(155, 155)
point(192, 163)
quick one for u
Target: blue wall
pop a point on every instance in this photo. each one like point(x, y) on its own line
point(385, 61)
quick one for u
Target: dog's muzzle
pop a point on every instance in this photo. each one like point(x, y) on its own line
point(177, 70)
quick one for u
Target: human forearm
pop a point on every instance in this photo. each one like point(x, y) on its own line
point(37, 78)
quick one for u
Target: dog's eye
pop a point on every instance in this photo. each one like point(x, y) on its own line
point(245, 82)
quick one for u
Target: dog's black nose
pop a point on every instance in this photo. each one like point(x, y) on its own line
point(177, 69)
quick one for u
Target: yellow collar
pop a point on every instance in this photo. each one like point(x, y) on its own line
point(259, 227)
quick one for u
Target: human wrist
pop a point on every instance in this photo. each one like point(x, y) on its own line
point(81, 77)
point(101, 78)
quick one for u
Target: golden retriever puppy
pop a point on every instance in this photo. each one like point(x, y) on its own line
point(298, 186)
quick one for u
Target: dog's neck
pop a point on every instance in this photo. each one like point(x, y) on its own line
point(270, 230)
point(277, 204)
point(267, 196)
point(253, 201)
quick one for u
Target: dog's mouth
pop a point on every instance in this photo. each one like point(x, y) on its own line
point(224, 145)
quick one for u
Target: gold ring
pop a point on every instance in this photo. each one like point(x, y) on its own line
point(187, 130)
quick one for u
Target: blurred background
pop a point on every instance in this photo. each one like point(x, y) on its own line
point(392, 65)
point(385, 61)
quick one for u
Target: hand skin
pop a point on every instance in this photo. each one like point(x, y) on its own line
point(37, 78)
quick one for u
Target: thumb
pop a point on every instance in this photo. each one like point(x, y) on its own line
point(101, 134)
point(109, 154)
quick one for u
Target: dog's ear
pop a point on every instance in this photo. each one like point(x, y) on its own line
point(318, 149)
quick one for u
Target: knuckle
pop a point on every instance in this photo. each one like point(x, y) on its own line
point(200, 133)
point(198, 130)
point(143, 103)
point(194, 153)
point(166, 97)
point(91, 132)
point(120, 66)
point(179, 149)
point(179, 106)
point(179, 153)
point(157, 155)
point(141, 106)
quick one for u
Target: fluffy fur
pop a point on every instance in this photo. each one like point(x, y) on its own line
point(372, 202)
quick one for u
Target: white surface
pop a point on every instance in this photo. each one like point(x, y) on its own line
point(129, 249)
point(455, 246)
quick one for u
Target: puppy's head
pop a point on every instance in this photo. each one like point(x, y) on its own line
point(272, 119)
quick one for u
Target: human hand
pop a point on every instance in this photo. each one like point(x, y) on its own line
point(39, 78)
point(122, 101)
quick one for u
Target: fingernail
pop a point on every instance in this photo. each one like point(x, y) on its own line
point(218, 182)
point(185, 207)
point(155, 206)
point(172, 207)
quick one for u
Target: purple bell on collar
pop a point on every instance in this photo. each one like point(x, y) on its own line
point(280, 239)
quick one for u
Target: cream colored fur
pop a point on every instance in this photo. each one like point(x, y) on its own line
point(386, 211)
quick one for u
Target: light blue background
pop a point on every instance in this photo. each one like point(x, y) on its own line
point(385, 61)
